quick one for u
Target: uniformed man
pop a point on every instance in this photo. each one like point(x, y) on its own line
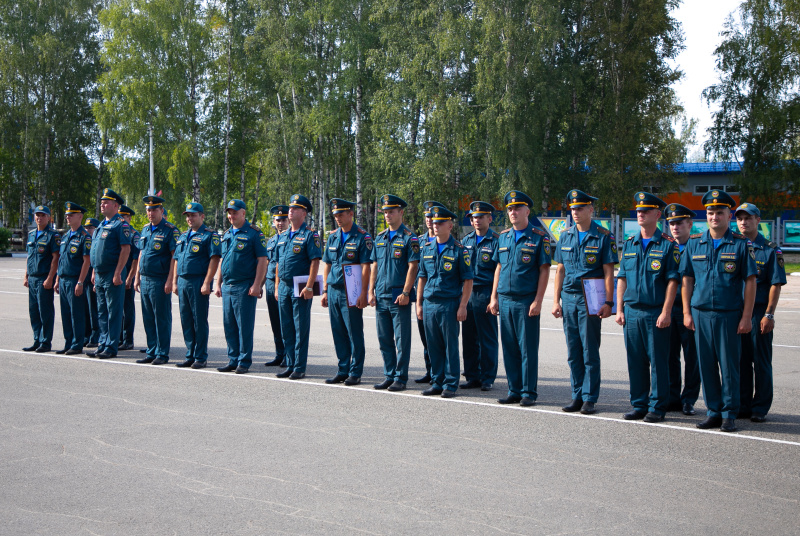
point(646, 288)
point(298, 254)
point(719, 289)
point(280, 220)
point(154, 280)
point(585, 250)
point(91, 319)
point(428, 237)
point(40, 276)
point(348, 248)
point(520, 278)
point(240, 277)
point(111, 246)
point(479, 330)
point(129, 309)
point(196, 259)
point(445, 285)
point(391, 291)
point(757, 345)
point(679, 219)
point(73, 267)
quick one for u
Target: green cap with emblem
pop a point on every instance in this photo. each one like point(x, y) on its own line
point(108, 193)
point(516, 198)
point(441, 214)
point(125, 210)
point(152, 201)
point(73, 208)
point(280, 212)
point(340, 205)
point(41, 209)
point(675, 211)
point(236, 204)
point(480, 207)
point(193, 208)
point(718, 198)
point(392, 201)
point(427, 205)
point(576, 198)
point(301, 201)
point(91, 222)
point(749, 208)
point(647, 201)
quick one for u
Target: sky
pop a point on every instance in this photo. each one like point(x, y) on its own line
point(702, 22)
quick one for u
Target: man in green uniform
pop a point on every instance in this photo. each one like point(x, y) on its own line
point(347, 254)
point(129, 309)
point(391, 291)
point(196, 259)
point(719, 289)
point(92, 321)
point(240, 277)
point(647, 285)
point(154, 280)
point(520, 279)
point(298, 253)
point(479, 330)
point(680, 225)
point(280, 220)
point(757, 345)
point(445, 285)
point(73, 267)
point(111, 246)
point(428, 237)
point(585, 250)
point(40, 276)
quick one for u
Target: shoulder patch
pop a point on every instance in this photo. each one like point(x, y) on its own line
point(696, 235)
point(604, 231)
point(668, 237)
point(406, 231)
point(362, 231)
point(539, 231)
point(458, 244)
point(505, 231)
point(255, 228)
point(773, 245)
point(738, 235)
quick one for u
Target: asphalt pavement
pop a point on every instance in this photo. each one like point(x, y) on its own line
point(113, 447)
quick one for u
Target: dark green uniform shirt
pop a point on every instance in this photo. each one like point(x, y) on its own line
point(719, 274)
point(40, 251)
point(769, 262)
point(521, 260)
point(74, 246)
point(482, 257)
point(647, 271)
point(194, 250)
point(355, 249)
point(272, 243)
point(135, 238)
point(107, 242)
point(156, 245)
point(584, 259)
point(391, 257)
point(445, 271)
point(241, 249)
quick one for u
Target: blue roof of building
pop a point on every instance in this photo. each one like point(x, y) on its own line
point(701, 168)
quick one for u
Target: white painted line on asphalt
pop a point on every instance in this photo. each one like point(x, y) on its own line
point(416, 395)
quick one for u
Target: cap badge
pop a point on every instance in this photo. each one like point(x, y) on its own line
point(714, 193)
point(189, 207)
point(641, 195)
point(574, 193)
point(512, 194)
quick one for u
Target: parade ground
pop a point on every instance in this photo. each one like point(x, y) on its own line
point(115, 448)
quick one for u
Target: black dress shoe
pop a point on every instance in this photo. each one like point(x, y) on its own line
point(241, 370)
point(710, 422)
point(758, 418)
point(72, 352)
point(472, 384)
point(42, 349)
point(160, 361)
point(91, 354)
point(486, 387)
point(688, 409)
point(653, 417)
point(634, 415)
point(284, 363)
point(588, 408)
point(728, 425)
point(383, 385)
point(62, 352)
point(431, 391)
point(424, 379)
point(91, 345)
point(123, 347)
point(275, 362)
point(199, 364)
point(284, 373)
point(352, 380)
point(146, 360)
point(339, 378)
point(187, 363)
point(104, 355)
point(297, 375)
point(447, 393)
point(31, 348)
point(510, 399)
point(527, 402)
point(574, 406)
point(674, 406)
point(397, 386)
point(227, 368)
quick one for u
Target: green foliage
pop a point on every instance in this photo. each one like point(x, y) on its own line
point(5, 238)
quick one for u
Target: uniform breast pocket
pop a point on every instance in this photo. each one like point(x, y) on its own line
point(142, 241)
point(629, 263)
point(502, 255)
point(654, 264)
point(526, 255)
point(239, 245)
point(591, 258)
point(728, 266)
point(485, 257)
point(397, 253)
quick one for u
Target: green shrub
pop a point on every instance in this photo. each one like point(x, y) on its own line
point(5, 238)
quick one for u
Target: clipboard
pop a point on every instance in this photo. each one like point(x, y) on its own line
point(352, 283)
point(299, 283)
point(594, 293)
